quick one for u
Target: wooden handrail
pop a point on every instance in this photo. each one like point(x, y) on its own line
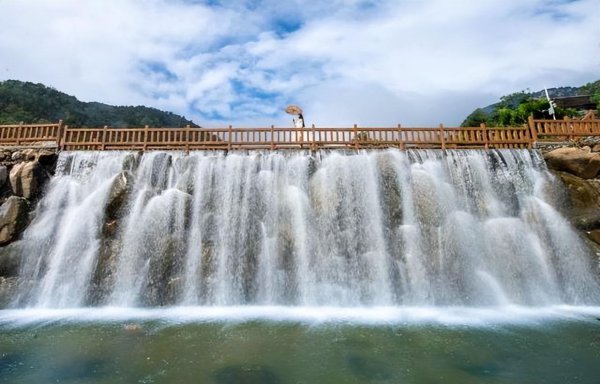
point(355, 137)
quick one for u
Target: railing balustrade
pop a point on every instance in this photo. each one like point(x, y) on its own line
point(188, 138)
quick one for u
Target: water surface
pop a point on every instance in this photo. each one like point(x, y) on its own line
point(393, 345)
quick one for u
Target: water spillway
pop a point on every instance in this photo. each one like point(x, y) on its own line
point(380, 228)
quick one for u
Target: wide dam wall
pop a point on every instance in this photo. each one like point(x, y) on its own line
point(374, 228)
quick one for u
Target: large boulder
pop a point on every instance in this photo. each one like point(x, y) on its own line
point(27, 179)
point(576, 161)
point(13, 218)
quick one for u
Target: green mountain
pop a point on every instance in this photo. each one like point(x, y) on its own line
point(514, 109)
point(36, 103)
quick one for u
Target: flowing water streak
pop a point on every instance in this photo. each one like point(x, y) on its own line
point(381, 228)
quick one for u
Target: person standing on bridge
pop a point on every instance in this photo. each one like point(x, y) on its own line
point(299, 121)
point(296, 110)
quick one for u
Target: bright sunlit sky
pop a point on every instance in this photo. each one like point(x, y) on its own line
point(370, 62)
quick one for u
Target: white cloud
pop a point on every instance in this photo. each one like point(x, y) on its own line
point(369, 62)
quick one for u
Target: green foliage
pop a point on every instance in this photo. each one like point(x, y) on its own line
point(476, 118)
point(590, 88)
point(596, 99)
point(514, 110)
point(36, 103)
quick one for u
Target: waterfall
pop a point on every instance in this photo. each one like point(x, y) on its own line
point(374, 228)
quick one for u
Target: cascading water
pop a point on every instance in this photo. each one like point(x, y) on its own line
point(390, 228)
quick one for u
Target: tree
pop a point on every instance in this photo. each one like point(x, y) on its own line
point(476, 118)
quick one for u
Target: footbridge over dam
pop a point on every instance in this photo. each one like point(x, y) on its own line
point(229, 138)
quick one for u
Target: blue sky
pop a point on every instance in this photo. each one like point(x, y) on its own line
point(370, 62)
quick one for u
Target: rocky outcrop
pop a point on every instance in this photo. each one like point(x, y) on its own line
point(578, 168)
point(13, 218)
point(23, 174)
point(27, 179)
point(577, 161)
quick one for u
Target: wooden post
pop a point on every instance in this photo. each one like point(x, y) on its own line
point(532, 130)
point(272, 137)
point(59, 133)
point(485, 135)
point(145, 137)
point(230, 137)
point(402, 145)
point(442, 138)
point(19, 133)
point(103, 146)
point(63, 140)
point(314, 143)
point(356, 143)
point(187, 138)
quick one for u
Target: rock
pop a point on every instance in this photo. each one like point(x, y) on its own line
point(46, 158)
point(575, 161)
point(16, 156)
point(586, 221)
point(27, 179)
point(594, 235)
point(130, 162)
point(3, 175)
point(596, 148)
point(583, 201)
point(582, 193)
point(29, 154)
point(118, 195)
point(110, 228)
point(13, 218)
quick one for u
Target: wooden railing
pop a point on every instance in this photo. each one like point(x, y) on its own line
point(564, 130)
point(21, 134)
point(290, 138)
point(314, 138)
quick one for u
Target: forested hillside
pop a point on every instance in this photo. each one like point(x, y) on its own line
point(514, 109)
point(37, 103)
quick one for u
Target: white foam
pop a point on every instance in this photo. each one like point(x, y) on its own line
point(376, 316)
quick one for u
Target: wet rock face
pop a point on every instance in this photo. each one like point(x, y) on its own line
point(583, 205)
point(579, 162)
point(583, 195)
point(118, 195)
point(13, 218)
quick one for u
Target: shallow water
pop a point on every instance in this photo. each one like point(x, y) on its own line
point(376, 345)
